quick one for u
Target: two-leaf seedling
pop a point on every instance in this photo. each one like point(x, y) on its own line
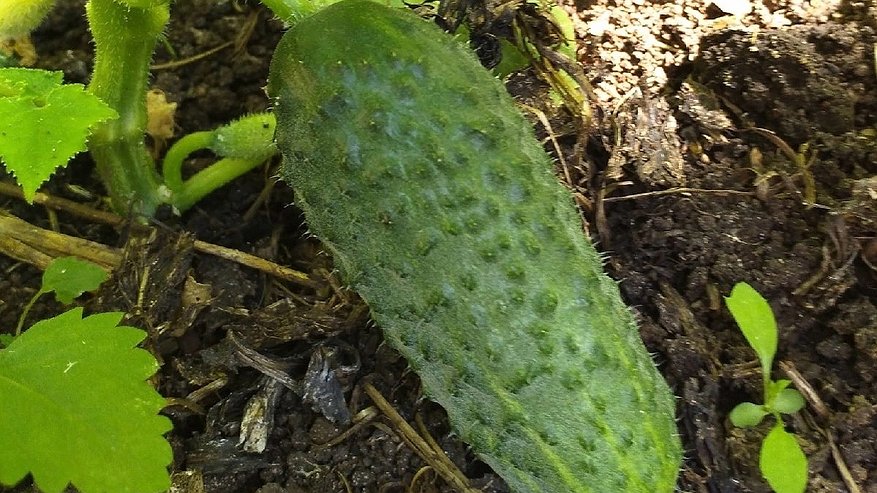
point(76, 406)
point(781, 460)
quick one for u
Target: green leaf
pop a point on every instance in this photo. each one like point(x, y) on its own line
point(755, 319)
point(747, 415)
point(782, 462)
point(69, 277)
point(567, 29)
point(6, 339)
point(511, 60)
point(76, 408)
point(787, 401)
point(774, 387)
point(25, 82)
point(43, 123)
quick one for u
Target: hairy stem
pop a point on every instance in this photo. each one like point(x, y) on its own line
point(125, 38)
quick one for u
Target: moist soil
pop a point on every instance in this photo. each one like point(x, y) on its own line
point(755, 161)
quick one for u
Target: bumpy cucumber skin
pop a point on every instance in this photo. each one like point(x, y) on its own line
point(441, 209)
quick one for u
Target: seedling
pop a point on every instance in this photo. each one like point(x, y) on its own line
point(781, 460)
point(76, 407)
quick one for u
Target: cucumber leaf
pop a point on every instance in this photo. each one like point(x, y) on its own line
point(76, 408)
point(69, 277)
point(43, 123)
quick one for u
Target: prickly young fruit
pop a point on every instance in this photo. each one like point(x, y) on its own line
point(441, 209)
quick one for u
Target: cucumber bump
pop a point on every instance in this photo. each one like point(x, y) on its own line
point(440, 207)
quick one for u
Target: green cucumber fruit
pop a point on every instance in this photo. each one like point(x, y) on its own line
point(414, 167)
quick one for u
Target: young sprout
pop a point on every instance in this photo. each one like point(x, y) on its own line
point(781, 460)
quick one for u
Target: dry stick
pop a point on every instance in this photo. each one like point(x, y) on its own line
point(344, 481)
point(255, 262)
point(427, 436)
point(842, 466)
point(117, 221)
point(423, 471)
point(543, 119)
point(239, 43)
point(58, 203)
point(359, 421)
point(672, 191)
point(22, 251)
point(806, 390)
point(435, 458)
point(191, 59)
point(246, 32)
point(28, 243)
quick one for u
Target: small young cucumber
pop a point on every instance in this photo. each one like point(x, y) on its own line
point(414, 167)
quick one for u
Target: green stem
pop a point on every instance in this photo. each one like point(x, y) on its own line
point(26, 310)
point(172, 166)
point(125, 38)
point(207, 180)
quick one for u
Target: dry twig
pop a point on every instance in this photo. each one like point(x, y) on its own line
point(41, 239)
point(436, 458)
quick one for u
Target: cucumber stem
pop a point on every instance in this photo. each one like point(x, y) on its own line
point(172, 166)
point(206, 180)
point(125, 38)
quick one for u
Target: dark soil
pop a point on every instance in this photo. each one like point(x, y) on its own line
point(803, 236)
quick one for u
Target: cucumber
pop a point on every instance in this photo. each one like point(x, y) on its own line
point(440, 207)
